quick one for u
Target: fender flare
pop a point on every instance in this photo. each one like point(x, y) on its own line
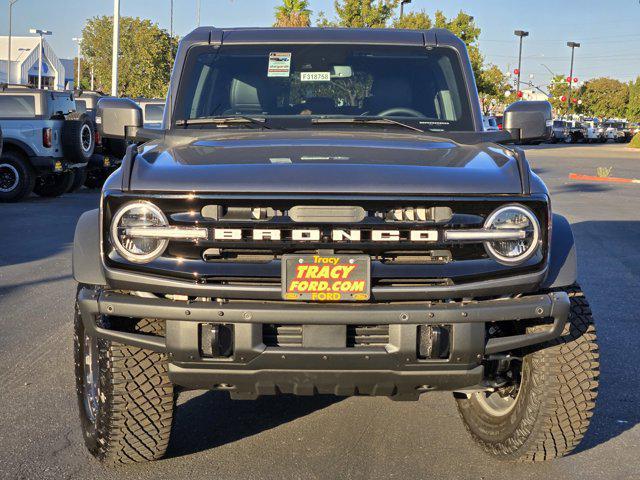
point(563, 263)
point(87, 263)
point(20, 145)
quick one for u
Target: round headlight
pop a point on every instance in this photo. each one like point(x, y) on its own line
point(138, 249)
point(516, 218)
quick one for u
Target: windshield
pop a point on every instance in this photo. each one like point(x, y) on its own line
point(421, 86)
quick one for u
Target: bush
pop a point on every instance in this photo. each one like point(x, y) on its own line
point(635, 141)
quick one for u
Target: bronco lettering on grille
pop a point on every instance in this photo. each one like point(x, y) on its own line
point(317, 235)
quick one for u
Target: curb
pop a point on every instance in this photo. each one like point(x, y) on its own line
point(578, 176)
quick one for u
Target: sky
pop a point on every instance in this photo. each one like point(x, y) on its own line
point(608, 30)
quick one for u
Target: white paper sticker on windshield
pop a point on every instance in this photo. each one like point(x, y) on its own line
point(315, 76)
point(279, 64)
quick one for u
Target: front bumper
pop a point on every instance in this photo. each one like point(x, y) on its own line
point(256, 369)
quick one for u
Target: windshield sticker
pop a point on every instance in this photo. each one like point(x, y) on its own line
point(315, 76)
point(279, 64)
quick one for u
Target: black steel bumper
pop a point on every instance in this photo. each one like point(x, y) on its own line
point(53, 164)
point(100, 161)
point(255, 369)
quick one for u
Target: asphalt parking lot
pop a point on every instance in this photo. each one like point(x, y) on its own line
point(315, 437)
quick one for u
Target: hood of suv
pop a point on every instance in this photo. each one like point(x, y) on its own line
point(325, 162)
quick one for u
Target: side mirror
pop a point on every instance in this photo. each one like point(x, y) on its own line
point(118, 118)
point(529, 121)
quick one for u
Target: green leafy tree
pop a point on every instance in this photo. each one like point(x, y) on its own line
point(605, 97)
point(293, 13)
point(414, 21)
point(464, 26)
point(633, 109)
point(559, 88)
point(364, 13)
point(496, 85)
point(146, 55)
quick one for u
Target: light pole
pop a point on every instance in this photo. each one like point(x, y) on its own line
point(402, 2)
point(171, 19)
point(521, 34)
point(11, 4)
point(572, 46)
point(198, 13)
point(115, 48)
point(78, 40)
point(42, 33)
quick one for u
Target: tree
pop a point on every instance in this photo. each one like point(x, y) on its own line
point(364, 13)
point(464, 26)
point(496, 85)
point(559, 88)
point(293, 13)
point(605, 97)
point(414, 21)
point(633, 109)
point(146, 55)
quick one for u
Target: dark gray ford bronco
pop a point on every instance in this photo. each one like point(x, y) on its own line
point(322, 213)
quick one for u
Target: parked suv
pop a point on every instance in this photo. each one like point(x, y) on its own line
point(108, 152)
point(559, 131)
point(322, 212)
point(45, 141)
point(616, 131)
point(575, 132)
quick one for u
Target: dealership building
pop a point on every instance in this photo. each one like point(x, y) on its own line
point(56, 73)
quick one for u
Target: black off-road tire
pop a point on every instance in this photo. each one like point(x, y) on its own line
point(135, 402)
point(556, 400)
point(13, 164)
point(79, 177)
point(78, 137)
point(54, 184)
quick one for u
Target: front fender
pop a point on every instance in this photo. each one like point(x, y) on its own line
point(87, 264)
point(563, 264)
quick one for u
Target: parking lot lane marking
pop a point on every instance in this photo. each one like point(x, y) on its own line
point(579, 176)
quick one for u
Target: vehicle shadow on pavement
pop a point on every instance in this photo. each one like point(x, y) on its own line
point(212, 419)
point(579, 187)
point(609, 272)
point(41, 227)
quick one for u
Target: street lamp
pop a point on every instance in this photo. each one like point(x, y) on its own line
point(78, 40)
point(402, 2)
point(11, 4)
point(572, 46)
point(521, 34)
point(198, 13)
point(42, 33)
point(115, 48)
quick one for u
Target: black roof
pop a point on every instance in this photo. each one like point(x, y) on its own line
point(368, 36)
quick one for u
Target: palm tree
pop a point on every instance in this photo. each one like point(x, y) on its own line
point(293, 13)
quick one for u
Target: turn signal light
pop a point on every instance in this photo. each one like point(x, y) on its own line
point(46, 137)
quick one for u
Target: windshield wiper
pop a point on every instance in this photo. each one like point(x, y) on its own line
point(365, 121)
point(237, 119)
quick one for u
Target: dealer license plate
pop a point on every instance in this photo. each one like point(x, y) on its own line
point(326, 278)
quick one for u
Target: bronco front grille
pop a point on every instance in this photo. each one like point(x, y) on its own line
point(241, 256)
